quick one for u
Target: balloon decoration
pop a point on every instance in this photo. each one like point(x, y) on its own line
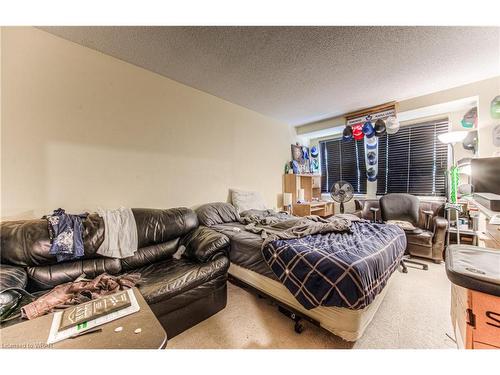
point(379, 127)
point(347, 134)
point(470, 119)
point(495, 107)
point(357, 132)
point(391, 125)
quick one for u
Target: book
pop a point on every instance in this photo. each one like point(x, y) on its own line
point(94, 309)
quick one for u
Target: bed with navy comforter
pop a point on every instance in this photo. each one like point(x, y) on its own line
point(344, 269)
point(338, 269)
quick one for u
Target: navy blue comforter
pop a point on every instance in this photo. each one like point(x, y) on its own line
point(338, 269)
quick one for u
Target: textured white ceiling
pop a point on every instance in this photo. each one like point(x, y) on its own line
point(304, 74)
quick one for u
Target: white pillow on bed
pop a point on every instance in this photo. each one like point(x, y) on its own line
point(247, 200)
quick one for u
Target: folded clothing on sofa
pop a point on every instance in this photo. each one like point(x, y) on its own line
point(120, 233)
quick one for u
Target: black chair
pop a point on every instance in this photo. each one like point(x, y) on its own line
point(405, 207)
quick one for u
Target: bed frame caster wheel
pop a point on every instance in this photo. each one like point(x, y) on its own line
point(299, 327)
point(403, 266)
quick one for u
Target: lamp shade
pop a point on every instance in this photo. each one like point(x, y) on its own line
point(287, 199)
point(452, 137)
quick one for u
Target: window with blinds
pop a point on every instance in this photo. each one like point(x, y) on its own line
point(343, 161)
point(410, 161)
point(413, 160)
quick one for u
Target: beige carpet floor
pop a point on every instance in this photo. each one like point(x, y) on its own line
point(414, 314)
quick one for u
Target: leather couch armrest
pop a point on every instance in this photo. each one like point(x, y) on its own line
point(440, 225)
point(12, 277)
point(203, 244)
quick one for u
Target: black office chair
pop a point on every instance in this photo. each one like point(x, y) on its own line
point(405, 207)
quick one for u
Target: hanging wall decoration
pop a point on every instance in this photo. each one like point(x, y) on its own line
point(496, 136)
point(314, 160)
point(357, 131)
point(379, 127)
point(470, 119)
point(392, 125)
point(470, 141)
point(360, 126)
point(371, 158)
point(495, 107)
point(300, 159)
point(347, 134)
point(368, 129)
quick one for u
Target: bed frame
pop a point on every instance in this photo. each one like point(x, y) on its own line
point(283, 308)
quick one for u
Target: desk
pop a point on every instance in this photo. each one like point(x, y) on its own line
point(322, 209)
point(488, 235)
point(492, 236)
point(33, 334)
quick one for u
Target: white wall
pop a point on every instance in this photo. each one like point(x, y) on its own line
point(81, 129)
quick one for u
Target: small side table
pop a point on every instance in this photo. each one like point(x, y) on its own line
point(33, 334)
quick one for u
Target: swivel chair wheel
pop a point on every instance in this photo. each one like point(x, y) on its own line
point(425, 267)
point(299, 327)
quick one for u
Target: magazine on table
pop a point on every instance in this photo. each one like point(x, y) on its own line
point(78, 319)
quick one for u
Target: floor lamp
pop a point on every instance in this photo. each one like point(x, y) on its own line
point(451, 139)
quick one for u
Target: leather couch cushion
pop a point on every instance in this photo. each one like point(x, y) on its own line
point(422, 239)
point(166, 279)
point(46, 277)
point(150, 254)
point(12, 277)
point(204, 243)
point(400, 207)
point(217, 213)
point(157, 226)
point(26, 243)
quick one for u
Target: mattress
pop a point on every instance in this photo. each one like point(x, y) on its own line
point(346, 323)
point(245, 248)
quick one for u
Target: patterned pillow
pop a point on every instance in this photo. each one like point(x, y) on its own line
point(247, 200)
